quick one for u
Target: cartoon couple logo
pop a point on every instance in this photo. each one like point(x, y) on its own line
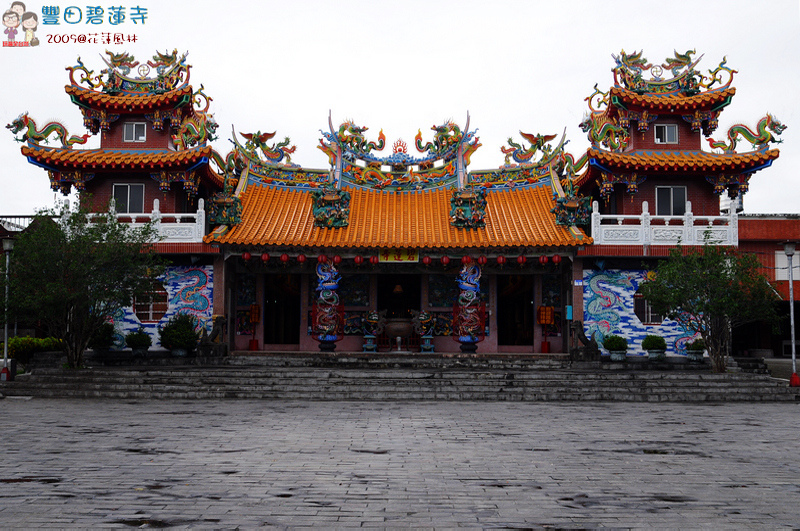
point(16, 16)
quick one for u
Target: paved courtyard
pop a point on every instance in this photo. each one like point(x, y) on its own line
point(248, 464)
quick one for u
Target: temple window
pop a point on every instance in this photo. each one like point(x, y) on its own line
point(670, 200)
point(666, 133)
point(134, 132)
point(151, 307)
point(129, 198)
point(644, 311)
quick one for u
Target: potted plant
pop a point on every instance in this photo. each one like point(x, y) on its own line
point(139, 341)
point(102, 338)
point(178, 334)
point(656, 347)
point(617, 347)
point(695, 349)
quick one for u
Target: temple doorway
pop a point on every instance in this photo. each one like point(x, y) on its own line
point(281, 309)
point(399, 294)
point(515, 310)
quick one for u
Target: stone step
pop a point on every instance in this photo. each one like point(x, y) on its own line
point(396, 384)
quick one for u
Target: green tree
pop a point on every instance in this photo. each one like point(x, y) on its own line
point(70, 272)
point(710, 290)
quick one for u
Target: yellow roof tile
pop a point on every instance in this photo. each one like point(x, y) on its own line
point(379, 219)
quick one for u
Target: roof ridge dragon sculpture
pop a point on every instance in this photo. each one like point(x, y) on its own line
point(766, 130)
point(34, 135)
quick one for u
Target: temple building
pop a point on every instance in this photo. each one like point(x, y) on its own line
point(398, 247)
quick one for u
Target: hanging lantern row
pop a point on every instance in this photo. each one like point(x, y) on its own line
point(426, 260)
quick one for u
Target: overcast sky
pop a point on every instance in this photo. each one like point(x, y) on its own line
point(408, 65)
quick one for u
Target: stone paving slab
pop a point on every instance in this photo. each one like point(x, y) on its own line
point(289, 464)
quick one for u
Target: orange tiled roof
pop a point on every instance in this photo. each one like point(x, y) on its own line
point(282, 216)
point(674, 102)
point(128, 102)
point(68, 159)
point(683, 160)
point(689, 161)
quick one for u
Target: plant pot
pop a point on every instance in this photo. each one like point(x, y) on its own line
point(618, 355)
point(180, 352)
point(694, 355)
point(139, 352)
point(657, 355)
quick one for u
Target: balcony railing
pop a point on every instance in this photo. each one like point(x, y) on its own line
point(171, 227)
point(646, 229)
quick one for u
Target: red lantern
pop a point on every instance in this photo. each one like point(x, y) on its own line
point(556, 259)
point(374, 260)
point(322, 259)
point(285, 258)
point(501, 260)
point(521, 260)
point(358, 259)
point(301, 258)
point(426, 260)
point(265, 257)
point(482, 260)
point(337, 259)
point(445, 260)
point(465, 260)
point(246, 256)
point(543, 259)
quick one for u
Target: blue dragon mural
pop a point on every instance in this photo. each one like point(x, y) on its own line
point(189, 290)
point(608, 302)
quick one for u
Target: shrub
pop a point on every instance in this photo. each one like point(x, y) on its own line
point(23, 348)
point(139, 339)
point(179, 332)
point(697, 344)
point(103, 337)
point(652, 342)
point(615, 343)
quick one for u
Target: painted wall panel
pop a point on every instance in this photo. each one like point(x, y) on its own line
point(608, 309)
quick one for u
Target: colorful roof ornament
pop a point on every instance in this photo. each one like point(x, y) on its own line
point(526, 169)
point(766, 130)
point(353, 160)
point(33, 135)
point(171, 73)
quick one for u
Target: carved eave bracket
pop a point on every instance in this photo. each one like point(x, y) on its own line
point(705, 121)
point(608, 180)
point(733, 184)
point(331, 207)
point(165, 179)
point(63, 181)
point(468, 209)
point(158, 118)
point(96, 120)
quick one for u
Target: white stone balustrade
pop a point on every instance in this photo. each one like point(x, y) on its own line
point(647, 229)
point(171, 227)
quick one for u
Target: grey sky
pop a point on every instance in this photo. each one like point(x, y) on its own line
point(407, 65)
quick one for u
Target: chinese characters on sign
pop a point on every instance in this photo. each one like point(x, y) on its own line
point(114, 15)
point(398, 255)
point(17, 20)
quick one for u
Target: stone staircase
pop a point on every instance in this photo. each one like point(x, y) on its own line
point(396, 377)
point(750, 364)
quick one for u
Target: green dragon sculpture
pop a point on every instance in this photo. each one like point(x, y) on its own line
point(445, 136)
point(352, 136)
point(602, 130)
point(765, 132)
point(675, 64)
point(196, 129)
point(274, 154)
point(525, 155)
point(35, 135)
